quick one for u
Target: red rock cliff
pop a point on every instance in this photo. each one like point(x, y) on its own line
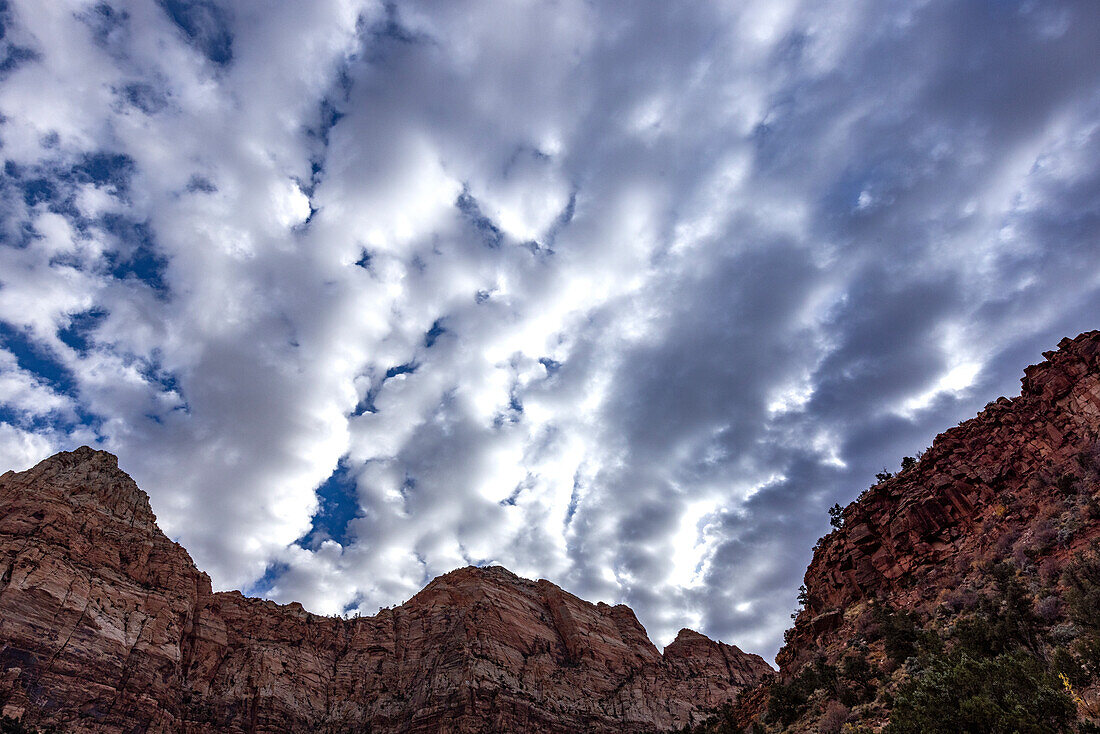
point(107, 626)
point(1014, 482)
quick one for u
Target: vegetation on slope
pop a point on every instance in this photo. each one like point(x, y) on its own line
point(1014, 647)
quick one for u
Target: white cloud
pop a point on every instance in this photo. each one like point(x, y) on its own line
point(623, 299)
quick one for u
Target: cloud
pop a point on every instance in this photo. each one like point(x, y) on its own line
point(360, 292)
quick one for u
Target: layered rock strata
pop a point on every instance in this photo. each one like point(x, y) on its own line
point(1019, 482)
point(107, 626)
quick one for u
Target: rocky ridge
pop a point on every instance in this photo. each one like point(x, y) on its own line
point(1008, 499)
point(985, 490)
point(107, 626)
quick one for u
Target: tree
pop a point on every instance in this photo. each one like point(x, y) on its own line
point(836, 516)
point(960, 694)
point(1082, 582)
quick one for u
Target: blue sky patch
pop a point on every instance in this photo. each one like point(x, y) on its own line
point(390, 33)
point(104, 169)
point(39, 361)
point(551, 365)
point(55, 184)
point(471, 210)
point(364, 261)
point(36, 359)
point(574, 500)
point(200, 184)
point(205, 25)
point(145, 97)
point(366, 405)
point(78, 334)
point(338, 505)
point(266, 583)
point(402, 369)
point(136, 257)
point(107, 25)
point(433, 334)
point(12, 57)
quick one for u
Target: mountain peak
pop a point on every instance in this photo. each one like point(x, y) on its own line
point(479, 574)
point(83, 456)
point(1009, 496)
point(478, 649)
point(90, 475)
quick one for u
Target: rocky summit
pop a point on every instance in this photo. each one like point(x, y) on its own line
point(977, 561)
point(107, 626)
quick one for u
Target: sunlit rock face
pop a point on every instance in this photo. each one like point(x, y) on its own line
point(107, 626)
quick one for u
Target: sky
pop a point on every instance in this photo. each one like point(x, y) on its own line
point(620, 295)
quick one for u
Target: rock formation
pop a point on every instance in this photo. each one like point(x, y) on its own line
point(1015, 482)
point(1004, 500)
point(107, 626)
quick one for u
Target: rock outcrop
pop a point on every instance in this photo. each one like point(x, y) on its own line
point(1016, 482)
point(980, 546)
point(107, 626)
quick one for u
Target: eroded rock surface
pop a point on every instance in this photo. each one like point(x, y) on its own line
point(1018, 482)
point(107, 626)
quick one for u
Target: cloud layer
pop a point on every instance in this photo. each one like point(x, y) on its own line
point(620, 295)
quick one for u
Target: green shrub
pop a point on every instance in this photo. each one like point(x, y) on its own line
point(1082, 580)
point(1002, 620)
point(901, 633)
point(788, 701)
point(960, 694)
point(856, 680)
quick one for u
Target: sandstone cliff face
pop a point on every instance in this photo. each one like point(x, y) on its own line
point(991, 527)
point(107, 626)
point(1015, 483)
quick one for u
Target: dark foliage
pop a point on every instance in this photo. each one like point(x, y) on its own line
point(996, 674)
point(856, 680)
point(1010, 693)
point(1067, 484)
point(9, 725)
point(788, 701)
point(1002, 620)
point(1082, 581)
point(901, 632)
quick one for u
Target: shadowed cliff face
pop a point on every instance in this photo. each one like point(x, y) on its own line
point(107, 626)
point(971, 548)
point(999, 486)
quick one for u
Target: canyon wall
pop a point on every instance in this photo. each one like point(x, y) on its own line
point(1013, 483)
point(107, 626)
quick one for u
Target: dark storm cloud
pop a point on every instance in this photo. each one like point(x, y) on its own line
point(620, 296)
